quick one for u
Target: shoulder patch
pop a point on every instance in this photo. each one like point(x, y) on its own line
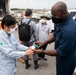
point(1, 43)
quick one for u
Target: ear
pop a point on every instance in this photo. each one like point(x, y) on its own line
point(63, 12)
point(5, 26)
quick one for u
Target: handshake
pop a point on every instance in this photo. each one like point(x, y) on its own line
point(33, 49)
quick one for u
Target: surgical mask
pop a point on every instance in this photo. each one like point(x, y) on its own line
point(12, 30)
point(56, 20)
point(42, 21)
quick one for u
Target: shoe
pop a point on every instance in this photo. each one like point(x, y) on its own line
point(45, 59)
point(27, 66)
point(29, 58)
point(22, 60)
point(36, 66)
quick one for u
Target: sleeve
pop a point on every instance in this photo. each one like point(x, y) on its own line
point(35, 31)
point(54, 33)
point(19, 46)
point(66, 43)
point(55, 30)
point(37, 27)
point(9, 52)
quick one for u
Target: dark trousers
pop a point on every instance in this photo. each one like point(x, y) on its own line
point(42, 55)
point(35, 56)
point(65, 69)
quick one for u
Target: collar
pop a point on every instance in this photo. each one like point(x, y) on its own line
point(27, 18)
point(4, 33)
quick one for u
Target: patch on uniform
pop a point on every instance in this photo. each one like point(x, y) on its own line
point(1, 43)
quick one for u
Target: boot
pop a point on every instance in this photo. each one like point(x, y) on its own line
point(36, 64)
point(27, 65)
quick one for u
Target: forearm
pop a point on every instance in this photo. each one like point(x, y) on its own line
point(50, 40)
point(21, 47)
point(51, 52)
point(49, 34)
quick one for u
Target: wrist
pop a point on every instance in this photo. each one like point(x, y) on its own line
point(42, 51)
point(26, 54)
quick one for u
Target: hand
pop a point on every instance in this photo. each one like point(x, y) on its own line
point(39, 44)
point(29, 52)
point(31, 47)
point(37, 51)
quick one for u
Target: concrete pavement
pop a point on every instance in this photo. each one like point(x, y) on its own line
point(46, 67)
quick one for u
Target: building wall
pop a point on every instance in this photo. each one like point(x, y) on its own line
point(7, 6)
point(4, 5)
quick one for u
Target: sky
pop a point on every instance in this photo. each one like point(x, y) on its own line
point(39, 4)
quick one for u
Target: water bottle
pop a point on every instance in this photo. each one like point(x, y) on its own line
point(34, 46)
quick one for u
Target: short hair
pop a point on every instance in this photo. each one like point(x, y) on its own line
point(8, 20)
point(28, 12)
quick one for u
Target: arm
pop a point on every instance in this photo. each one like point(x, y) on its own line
point(9, 51)
point(50, 40)
point(65, 46)
point(18, 45)
point(49, 34)
point(49, 31)
point(35, 31)
point(47, 52)
point(51, 52)
point(21, 47)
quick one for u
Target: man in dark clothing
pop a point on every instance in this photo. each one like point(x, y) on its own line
point(65, 40)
